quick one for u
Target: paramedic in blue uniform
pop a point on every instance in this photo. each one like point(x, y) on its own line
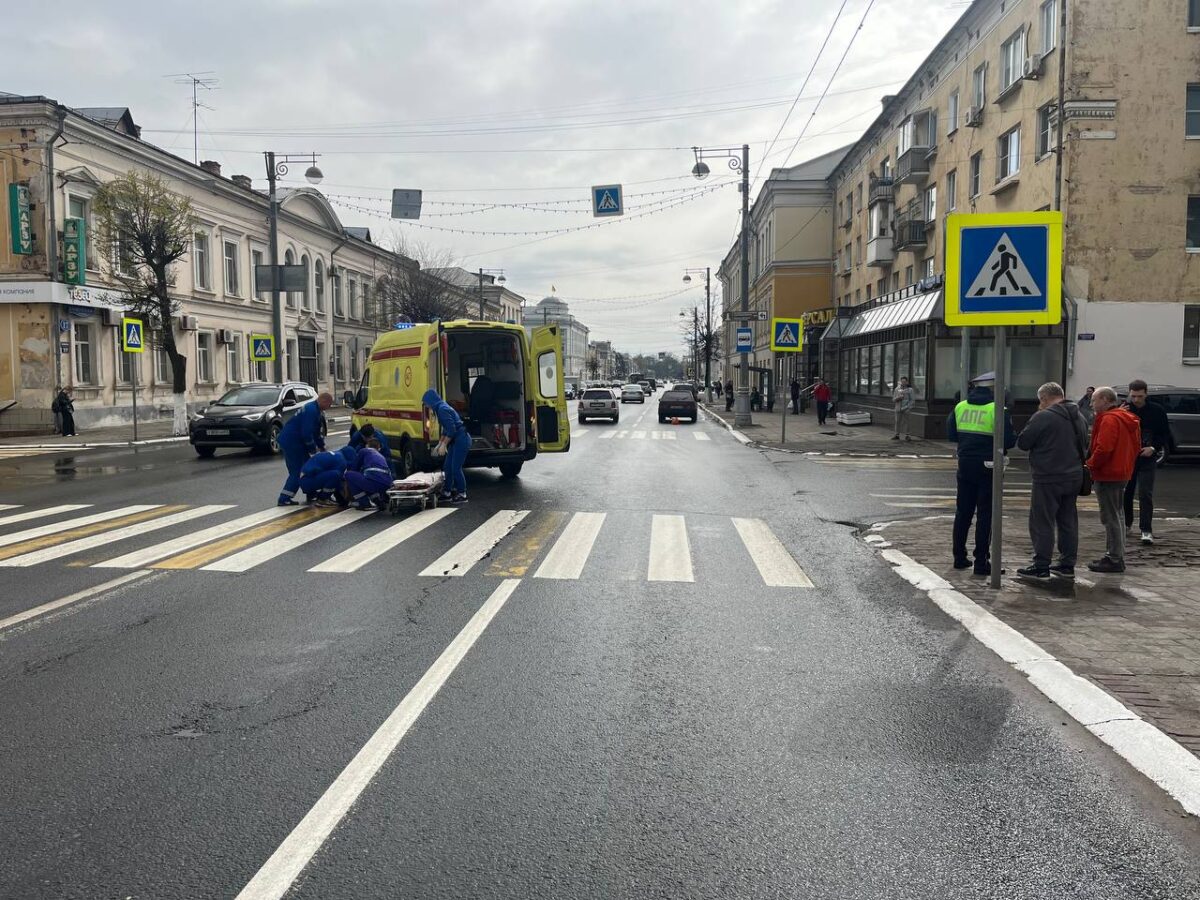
point(458, 442)
point(368, 477)
point(300, 439)
point(971, 426)
point(321, 476)
point(358, 440)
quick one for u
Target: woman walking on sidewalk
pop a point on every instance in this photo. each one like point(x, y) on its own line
point(66, 410)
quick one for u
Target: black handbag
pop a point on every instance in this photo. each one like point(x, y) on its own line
point(1085, 486)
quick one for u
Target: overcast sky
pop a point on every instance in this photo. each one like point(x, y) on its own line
point(499, 102)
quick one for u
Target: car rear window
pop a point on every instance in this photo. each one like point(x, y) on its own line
point(632, 387)
point(597, 395)
point(678, 395)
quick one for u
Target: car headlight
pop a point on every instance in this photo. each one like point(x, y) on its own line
point(196, 416)
point(253, 417)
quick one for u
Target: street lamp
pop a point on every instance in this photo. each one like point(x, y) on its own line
point(739, 161)
point(277, 167)
point(500, 280)
point(687, 279)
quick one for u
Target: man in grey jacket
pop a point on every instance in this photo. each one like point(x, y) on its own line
point(1054, 438)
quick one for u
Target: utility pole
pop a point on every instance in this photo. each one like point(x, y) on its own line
point(273, 238)
point(708, 334)
point(741, 408)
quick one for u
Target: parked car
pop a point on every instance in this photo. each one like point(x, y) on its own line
point(677, 403)
point(599, 403)
point(616, 385)
point(569, 391)
point(645, 386)
point(1183, 415)
point(653, 384)
point(248, 416)
point(633, 393)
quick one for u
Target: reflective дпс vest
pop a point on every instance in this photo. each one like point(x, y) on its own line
point(973, 418)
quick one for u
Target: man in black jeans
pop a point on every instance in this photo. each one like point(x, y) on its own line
point(1156, 434)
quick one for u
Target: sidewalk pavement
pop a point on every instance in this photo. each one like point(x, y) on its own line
point(1133, 634)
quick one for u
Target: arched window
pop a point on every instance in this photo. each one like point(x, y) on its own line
point(319, 284)
point(289, 259)
point(306, 294)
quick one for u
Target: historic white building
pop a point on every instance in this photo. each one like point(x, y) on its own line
point(553, 311)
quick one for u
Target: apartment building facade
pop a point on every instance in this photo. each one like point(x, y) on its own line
point(53, 160)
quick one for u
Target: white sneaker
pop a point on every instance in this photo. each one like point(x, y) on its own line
point(1147, 537)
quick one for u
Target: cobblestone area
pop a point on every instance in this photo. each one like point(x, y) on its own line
point(1135, 634)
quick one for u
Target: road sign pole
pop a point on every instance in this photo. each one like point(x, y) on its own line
point(137, 364)
point(998, 457)
point(786, 400)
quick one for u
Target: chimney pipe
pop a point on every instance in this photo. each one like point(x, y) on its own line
point(242, 181)
point(212, 167)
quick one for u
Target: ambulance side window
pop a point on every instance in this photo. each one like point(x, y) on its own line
point(548, 374)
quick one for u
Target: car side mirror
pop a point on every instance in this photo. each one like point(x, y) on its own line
point(348, 399)
point(360, 398)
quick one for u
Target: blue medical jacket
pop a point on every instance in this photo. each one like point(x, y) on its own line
point(304, 429)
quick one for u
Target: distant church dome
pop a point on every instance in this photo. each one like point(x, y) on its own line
point(553, 305)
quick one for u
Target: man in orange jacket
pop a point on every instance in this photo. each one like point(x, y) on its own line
point(1116, 441)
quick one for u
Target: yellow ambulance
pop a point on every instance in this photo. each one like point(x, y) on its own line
point(505, 383)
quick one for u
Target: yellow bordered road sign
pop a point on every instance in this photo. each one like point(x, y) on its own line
point(1004, 268)
point(787, 335)
point(262, 348)
point(133, 336)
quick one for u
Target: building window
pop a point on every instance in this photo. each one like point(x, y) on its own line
point(868, 293)
point(979, 86)
point(881, 286)
point(908, 276)
point(976, 168)
point(289, 259)
point(125, 361)
point(952, 190)
point(338, 308)
point(306, 294)
point(885, 168)
point(77, 208)
point(1008, 155)
point(260, 371)
point(927, 268)
point(908, 130)
point(1191, 332)
point(878, 219)
point(162, 367)
point(1193, 223)
point(232, 281)
point(931, 203)
point(1194, 13)
point(364, 294)
point(859, 198)
point(1012, 58)
point(292, 366)
point(204, 357)
point(1193, 110)
point(256, 260)
point(858, 255)
point(952, 113)
point(200, 261)
point(1045, 132)
point(233, 359)
point(352, 297)
point(895, 281)
point(1049, 18)
point(85, 353)
point(319, 285)
point(339, 362)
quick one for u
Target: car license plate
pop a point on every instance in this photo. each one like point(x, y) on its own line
point(217, 432)
point(599, 405)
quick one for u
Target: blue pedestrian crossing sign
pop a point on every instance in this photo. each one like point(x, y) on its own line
point(262, 348)
point(133, 336)
point(607, 201)
point(1004, 269)
point(787, 335)
point(745, 340)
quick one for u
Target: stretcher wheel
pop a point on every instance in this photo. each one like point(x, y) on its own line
point(433, 501)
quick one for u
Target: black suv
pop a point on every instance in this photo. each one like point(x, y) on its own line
point(248, 416)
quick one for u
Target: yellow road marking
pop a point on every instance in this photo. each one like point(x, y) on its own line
point(51, 540)
point(202, 556)
point(516, 559)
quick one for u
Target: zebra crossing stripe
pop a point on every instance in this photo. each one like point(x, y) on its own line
point(459, 559)
point(621, 434)
point(290, 540)
point(4, 506)
point(44, 535)
point(40, 513)
point(570, 552)
point(194, 559)
point(637, 434)
point(518, 554)
point(106, 537)
point(774, 563)
point(371, 548)
point(670, 553)
point(139, 558)
point(701, 436)
point(607, 435)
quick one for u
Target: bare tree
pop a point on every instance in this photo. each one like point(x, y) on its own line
point(593, 364)
point(411, 288)
point(143, 229)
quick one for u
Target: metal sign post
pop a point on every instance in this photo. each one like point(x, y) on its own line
point(998, 457)
point(133, 340)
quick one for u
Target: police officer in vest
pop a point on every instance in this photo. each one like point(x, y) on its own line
point(970, 426)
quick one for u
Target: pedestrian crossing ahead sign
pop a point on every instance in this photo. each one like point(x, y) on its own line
point(1004, 269)
point(133, 336)
point(787, 335)
point(607, 201)
point(262, 348)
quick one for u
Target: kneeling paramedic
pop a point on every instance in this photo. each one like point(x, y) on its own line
point(321, 476)
point(457, 443)
point(359, 439)
point(300, 439)
point(368, 477)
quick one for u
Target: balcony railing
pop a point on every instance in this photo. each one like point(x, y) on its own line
point(913, 165)
point(910, 231)
point(882, 191)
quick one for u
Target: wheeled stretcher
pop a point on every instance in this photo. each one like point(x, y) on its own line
point(420, 489)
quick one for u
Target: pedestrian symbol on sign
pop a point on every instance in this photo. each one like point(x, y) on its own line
point(262, 347)
point(1004, 274)
point(131, 336)
point(787, 335)
point(606, 200)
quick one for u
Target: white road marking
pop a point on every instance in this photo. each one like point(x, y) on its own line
point(43, 530)
point(360, 554)
point(28, 614)
point(670, 553)
point(637, 434)
point(607, 434)
point(186, 542)
point(701, 436)
point(247, 559)
point(98, 540)
point(40, 513)
point(570, 552)
point(622, 433)
point(10, 506)
point(277, 875)
point(776, 566)
point(459, 558)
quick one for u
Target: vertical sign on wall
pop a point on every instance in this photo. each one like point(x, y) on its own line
point(74, 251)
point(19, 222)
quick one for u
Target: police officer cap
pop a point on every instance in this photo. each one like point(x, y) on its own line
point(985, 378)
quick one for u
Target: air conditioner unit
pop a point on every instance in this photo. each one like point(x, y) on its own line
point(225, 335)
point(112, 317)
point(974, 116)
point(1032, 68)
point(188, 323)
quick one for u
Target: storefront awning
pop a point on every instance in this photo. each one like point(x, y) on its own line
point(909, 311)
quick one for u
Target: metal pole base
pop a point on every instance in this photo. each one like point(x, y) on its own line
point(741, 408)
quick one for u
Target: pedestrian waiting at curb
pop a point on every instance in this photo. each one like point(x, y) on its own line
point(728, 395)
point(64, 410)
point(1054, 437)
point(1085, 405)
point(823, 396)
point(1116, 441)
point(795, 386)
point(902, 400)
point(1155, 436)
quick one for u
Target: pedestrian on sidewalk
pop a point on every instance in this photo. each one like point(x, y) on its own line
point(1155, 437)
point(718, 389)
point(902, 400)
point(1085, 406)
point(66, 409)
point(755, 400)
point(795, 396)
point(823, 395)
point(728, 395)
point(970, 425)
point(57, 410)
point(1054, 437)
point(301, 438)
point(1116, 441)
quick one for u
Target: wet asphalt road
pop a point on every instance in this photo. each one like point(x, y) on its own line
point(605, 736)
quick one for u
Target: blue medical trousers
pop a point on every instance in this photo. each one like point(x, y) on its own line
point(322, 483)
point(367, 485)
point(295, 457)
point(456, 457)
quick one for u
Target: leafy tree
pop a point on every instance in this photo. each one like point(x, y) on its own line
point(143, 230)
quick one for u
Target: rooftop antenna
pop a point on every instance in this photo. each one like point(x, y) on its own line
point(199, 81)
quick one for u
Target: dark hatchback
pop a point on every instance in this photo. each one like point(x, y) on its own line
point(248, 416)
point(677, 404)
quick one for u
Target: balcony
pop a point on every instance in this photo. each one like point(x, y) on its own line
point(879, 251)
point(910, 232)
point(882, 191)
point(912, 167)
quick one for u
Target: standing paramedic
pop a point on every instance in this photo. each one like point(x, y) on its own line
point(300, 439)
point(457, 443)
